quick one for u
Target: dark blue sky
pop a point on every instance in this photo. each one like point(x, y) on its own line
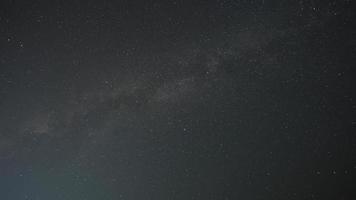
point(177, 100)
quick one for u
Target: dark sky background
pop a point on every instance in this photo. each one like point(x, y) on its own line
point(107, 100)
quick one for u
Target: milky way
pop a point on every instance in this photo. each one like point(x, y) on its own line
point(177, 100)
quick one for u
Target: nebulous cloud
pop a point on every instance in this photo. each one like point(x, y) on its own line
point(175, 91)
point(37, 124)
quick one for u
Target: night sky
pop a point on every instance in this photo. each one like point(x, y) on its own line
point(177, 100)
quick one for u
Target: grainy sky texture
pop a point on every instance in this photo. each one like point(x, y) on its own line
point(177, 100)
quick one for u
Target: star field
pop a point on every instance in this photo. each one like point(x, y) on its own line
point(177, 100)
